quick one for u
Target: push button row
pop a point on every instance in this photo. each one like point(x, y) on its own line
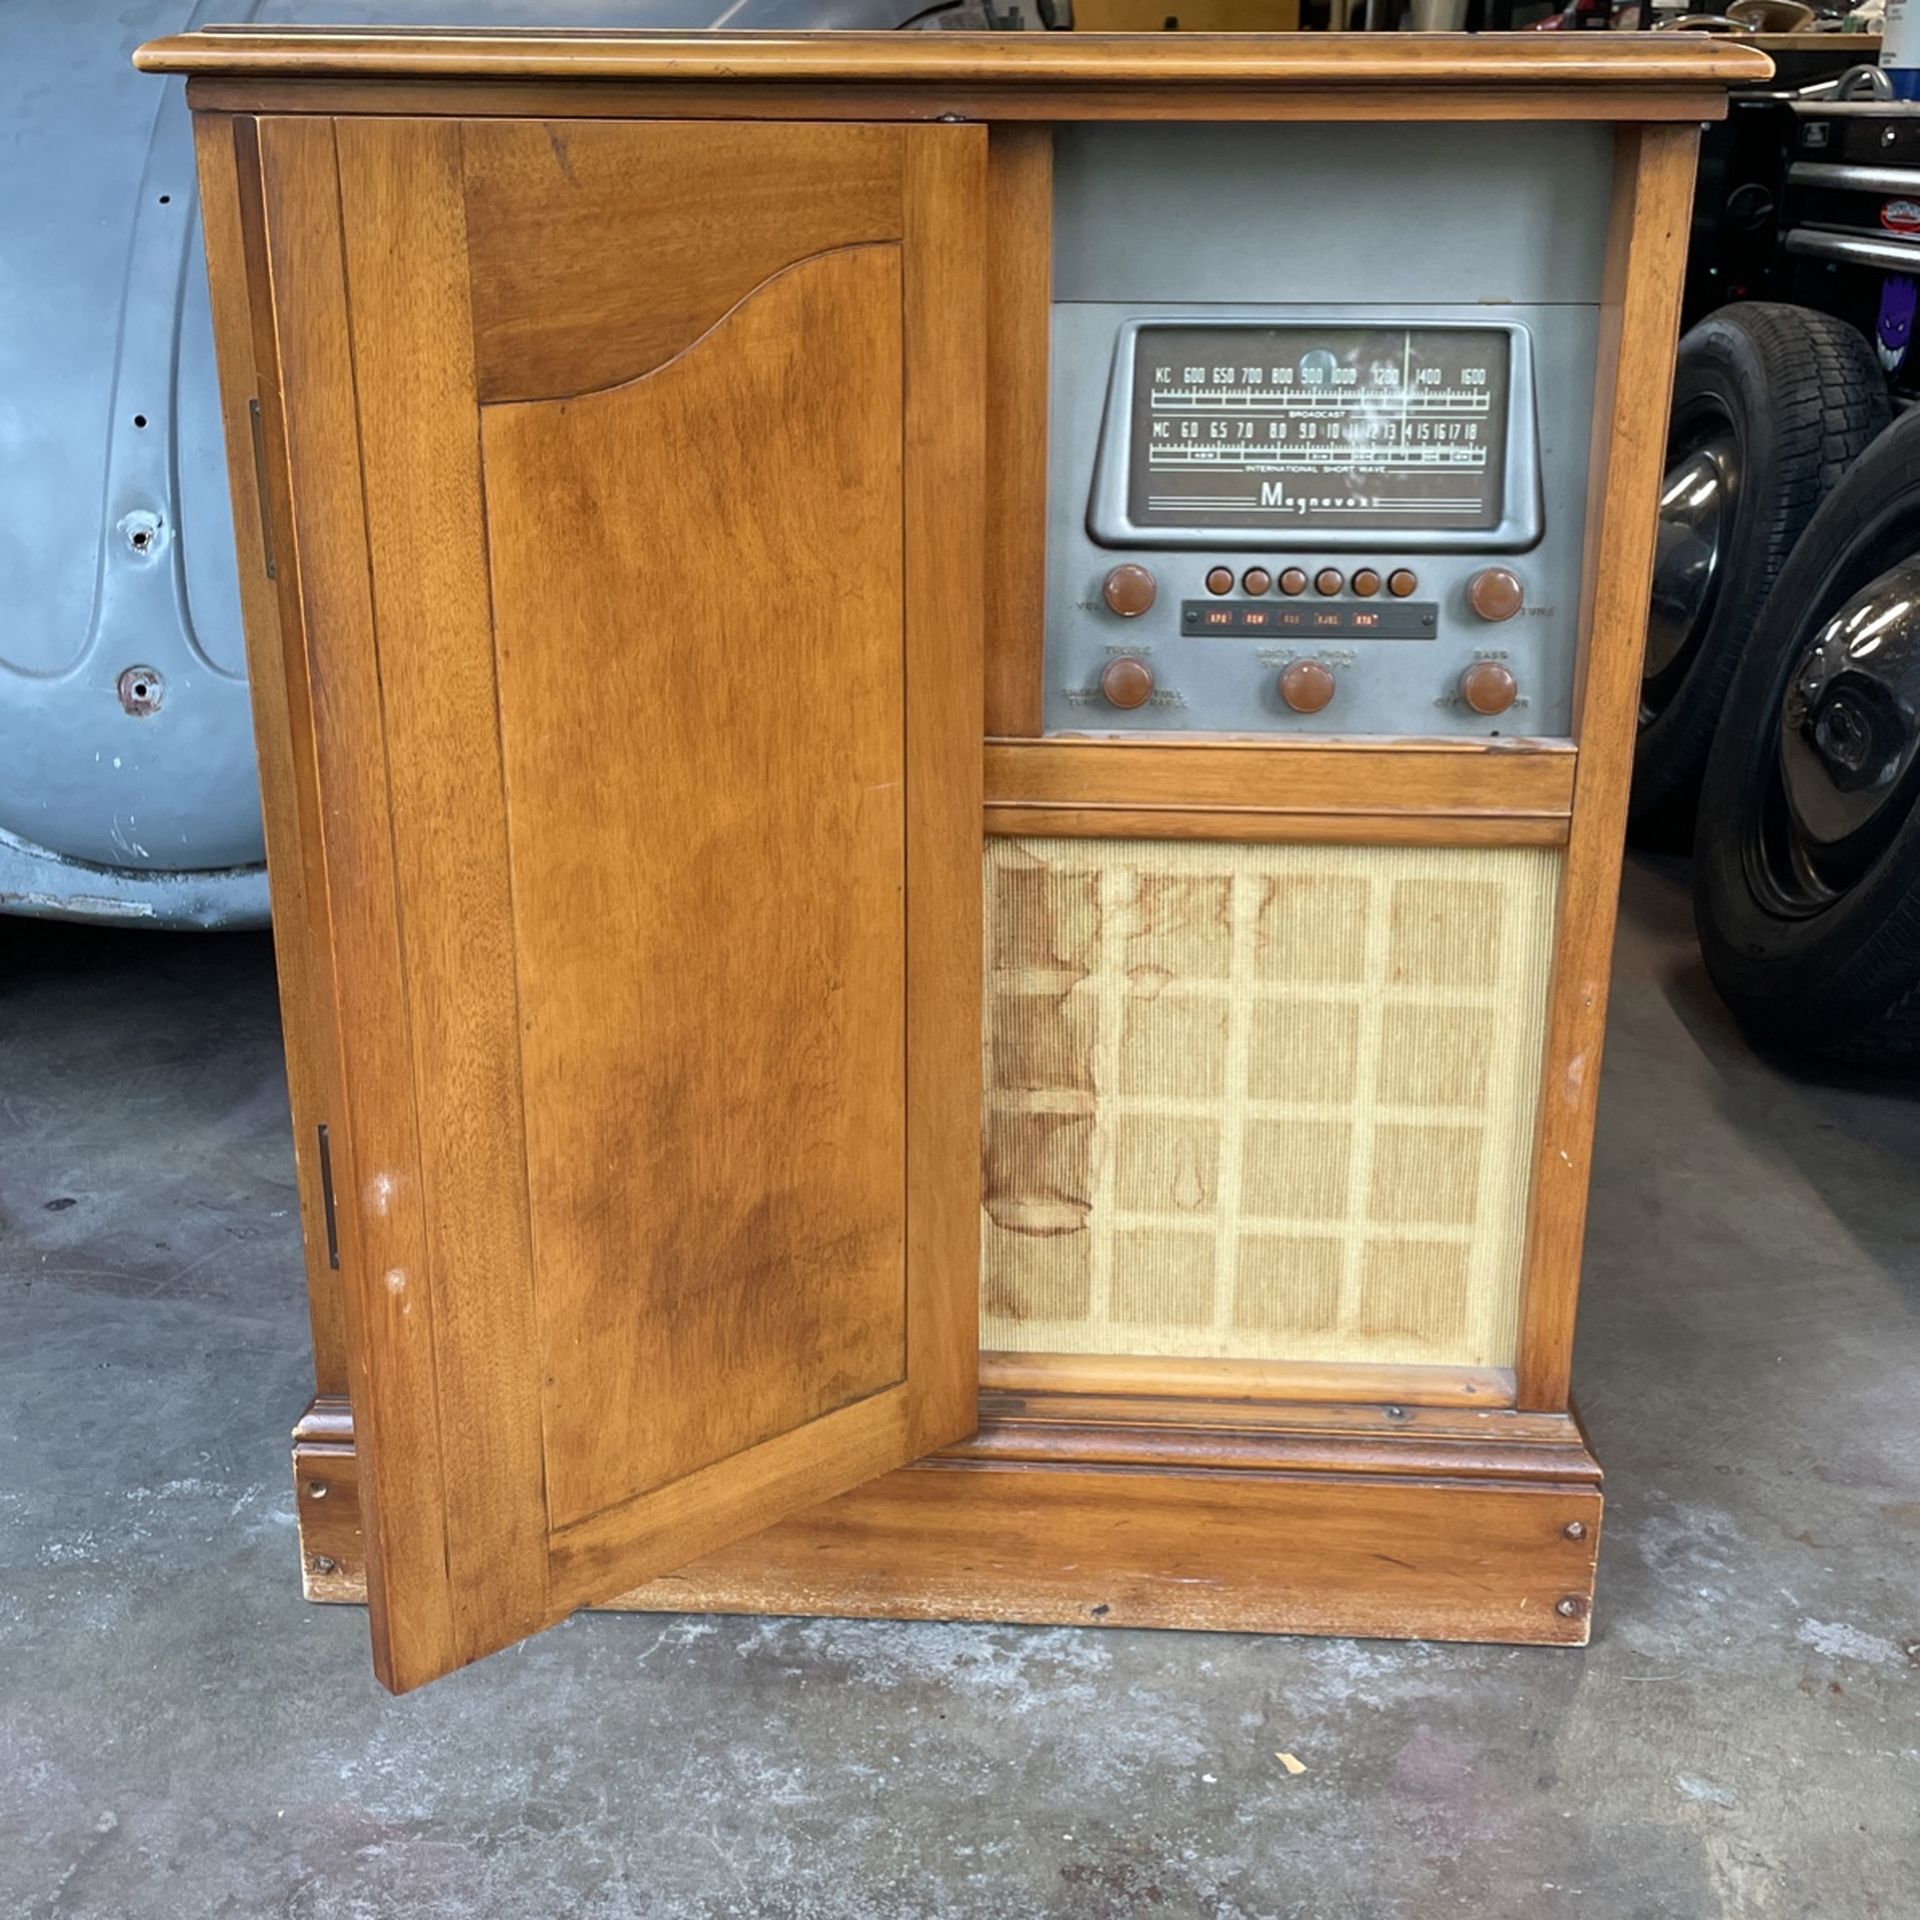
point(1402, 582)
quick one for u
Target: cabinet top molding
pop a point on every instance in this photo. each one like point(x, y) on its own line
point(1051, 62)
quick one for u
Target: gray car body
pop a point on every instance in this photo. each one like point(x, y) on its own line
point(128, 790)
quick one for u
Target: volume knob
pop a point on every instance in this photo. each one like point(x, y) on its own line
point(1128, 590)
point(1127, 683)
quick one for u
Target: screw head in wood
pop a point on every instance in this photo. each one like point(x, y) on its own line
point(1575, 1529)
point(320, 1563)
point(1570, 1606)
point(316, 1489)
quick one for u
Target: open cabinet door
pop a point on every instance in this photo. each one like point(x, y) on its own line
point(632, 474)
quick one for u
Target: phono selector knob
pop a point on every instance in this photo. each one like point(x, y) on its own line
point(1307, 686)
point(1127, 683)
point(1495, 594)
point(1128, 590)
point(1488, 688)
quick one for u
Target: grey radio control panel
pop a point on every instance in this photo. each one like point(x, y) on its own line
point(1316, 519)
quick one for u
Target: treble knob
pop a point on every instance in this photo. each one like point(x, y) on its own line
point(1127, 683)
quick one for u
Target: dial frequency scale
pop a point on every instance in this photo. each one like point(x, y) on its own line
point(945, 724)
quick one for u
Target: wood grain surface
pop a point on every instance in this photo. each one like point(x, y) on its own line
point(562, 213)
point(1148, 60)
point(647, 737)
point(1646, 258)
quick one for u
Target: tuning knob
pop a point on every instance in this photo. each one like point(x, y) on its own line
point(1495, 594)
point(1488, 688)
point(1128, 590)
point(1127, 683)
point(1307, 686)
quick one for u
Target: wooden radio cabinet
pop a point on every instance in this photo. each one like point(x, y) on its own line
point(759, 1151)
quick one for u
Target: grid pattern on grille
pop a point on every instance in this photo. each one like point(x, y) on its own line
point(1258, 1102)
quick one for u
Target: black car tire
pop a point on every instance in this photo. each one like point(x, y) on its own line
point(1801, 396)
point(1843, 977)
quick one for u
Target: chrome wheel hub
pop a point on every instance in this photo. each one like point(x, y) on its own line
point(1850, 732)
point(1696, 513)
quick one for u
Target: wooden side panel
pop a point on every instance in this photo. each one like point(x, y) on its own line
point(595, 260)
point(282, 737)
point(946, 485)
point(388, 1291)
point(1019, 318)
point(1653, 197)
point(709, 864)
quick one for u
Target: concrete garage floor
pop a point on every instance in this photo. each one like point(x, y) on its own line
point(183, 1736)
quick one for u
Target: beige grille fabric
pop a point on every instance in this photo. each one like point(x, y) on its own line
point(1261, 1102)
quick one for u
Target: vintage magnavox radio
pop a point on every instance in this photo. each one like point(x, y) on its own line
point(759, 1151)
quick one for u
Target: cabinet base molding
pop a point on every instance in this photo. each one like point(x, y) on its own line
point(1426, 1523)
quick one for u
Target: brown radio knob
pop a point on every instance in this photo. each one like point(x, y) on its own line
point(1366, 583)
point(1307, 686)
point(1402, 583)
point(1488, 688)
point(1255, 580)
point(1328, 580)
point(1294, 580)
point(1494, 594)
point(1220, 580)
point(1127, 683)
point(1128, 590)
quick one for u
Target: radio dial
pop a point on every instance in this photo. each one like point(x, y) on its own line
point(1307, 686)
point(1494, 594)
point(1128, 590)
point(1488, 688)
point(1127, 683)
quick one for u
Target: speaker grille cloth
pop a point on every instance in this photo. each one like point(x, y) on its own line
point(1261, 1102)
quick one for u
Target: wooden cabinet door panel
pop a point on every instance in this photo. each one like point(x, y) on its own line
point(641, 611)
point(704, 766)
